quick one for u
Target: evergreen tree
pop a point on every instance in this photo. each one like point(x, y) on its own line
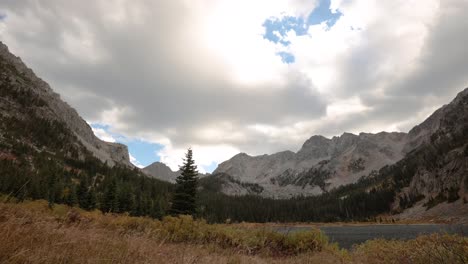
point(109, 202)
point(71, 197)
point(184, 199)
point(92, 200)
point(82, 193)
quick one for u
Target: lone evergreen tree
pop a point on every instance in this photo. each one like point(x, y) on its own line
point(184, 199)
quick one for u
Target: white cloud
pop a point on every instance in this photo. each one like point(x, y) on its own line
point(204, 156)
point(346, 107)
point(103, 134)
point(184, 73)
point(135, 162)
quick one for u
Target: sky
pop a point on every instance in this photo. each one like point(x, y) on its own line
point(230, 76)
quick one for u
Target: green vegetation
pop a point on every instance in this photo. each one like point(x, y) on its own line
point(184, 199)
point(347, 203)
point(40, 158)
point(88, 184)
point(40, 168)
point(361, 201)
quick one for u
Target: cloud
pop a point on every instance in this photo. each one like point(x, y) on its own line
point(204, 156)
point(135, 162)
point(201, 74)
point(103, 134)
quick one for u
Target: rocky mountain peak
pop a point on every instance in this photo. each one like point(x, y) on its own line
point(323, 163)
point(452, 115)
point(320, 164)
point(161, 171)
point(20, 77)
point(316, 141)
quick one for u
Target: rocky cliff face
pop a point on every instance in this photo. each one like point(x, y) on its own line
point(161, 171)
point(23, 82)
point(322, 164)
point(440, 178)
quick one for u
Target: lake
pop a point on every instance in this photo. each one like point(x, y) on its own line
point(347, 236)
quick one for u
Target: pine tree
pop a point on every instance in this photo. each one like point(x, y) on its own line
point(82, 193)
point(71, 197)
point(92, 200)
point(109, 202)
point(184, 199)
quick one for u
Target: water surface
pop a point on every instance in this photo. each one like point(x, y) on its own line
point(347, 236)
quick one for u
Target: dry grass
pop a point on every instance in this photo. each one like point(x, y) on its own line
point(32, 233)
point(435, 248)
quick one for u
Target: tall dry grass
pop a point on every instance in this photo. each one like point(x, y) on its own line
point(31, 232)
point(434, 248)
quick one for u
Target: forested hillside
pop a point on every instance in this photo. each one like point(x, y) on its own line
point(433, 173)
point(42, 157)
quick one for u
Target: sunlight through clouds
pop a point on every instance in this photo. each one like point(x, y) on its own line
point(255, 76)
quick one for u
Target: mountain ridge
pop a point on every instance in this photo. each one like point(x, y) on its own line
point(47, 151)
point(322, 164)
point(57, 109)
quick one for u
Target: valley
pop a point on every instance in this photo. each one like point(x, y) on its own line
point(35, 233)
point(67, 196)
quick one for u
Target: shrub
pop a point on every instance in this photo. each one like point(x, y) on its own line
point(435, 248)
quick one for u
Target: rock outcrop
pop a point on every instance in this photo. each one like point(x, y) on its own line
point(440, 164)
point(321, 164)
point(55, 108)
point(161, 171)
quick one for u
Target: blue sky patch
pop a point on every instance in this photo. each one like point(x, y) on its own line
point(143, 151)
point(2, 16)
point(323, 13)
point(277, 29)
point(286, 57)
point(210, 167)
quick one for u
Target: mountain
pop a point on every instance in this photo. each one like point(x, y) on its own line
point(162, 172)
point(428, 182)
point(436, 172)
point(47, 151)
point(25, 98)
point(320, 165)
point(323, 164)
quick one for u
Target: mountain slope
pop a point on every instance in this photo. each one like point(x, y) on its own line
point(161, 171)
point(430, 183)
point(323, 164)
point(23, 94)
point(440, 174)
point(320, 165)
point(47, 151)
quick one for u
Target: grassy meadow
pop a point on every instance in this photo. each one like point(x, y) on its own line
point(32, 232)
